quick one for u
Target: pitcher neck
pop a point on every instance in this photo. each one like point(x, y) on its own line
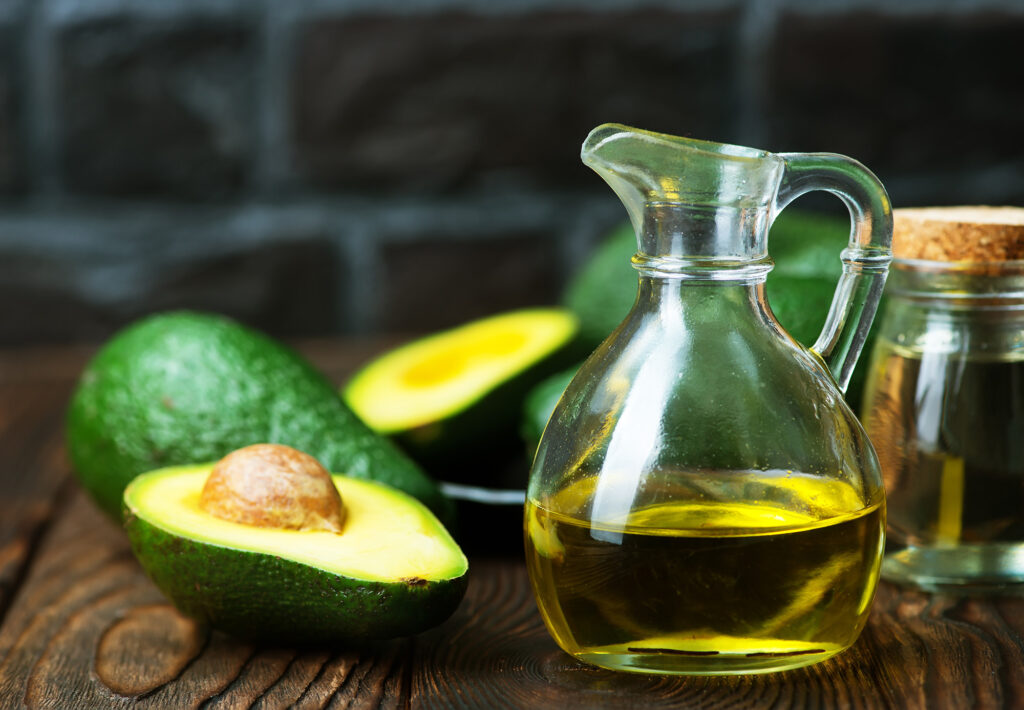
point(686, 304)
point(703, 242)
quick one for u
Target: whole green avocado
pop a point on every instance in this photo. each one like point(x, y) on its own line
point(185, 387)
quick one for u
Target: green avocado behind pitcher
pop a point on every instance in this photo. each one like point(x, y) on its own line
point(703, 501)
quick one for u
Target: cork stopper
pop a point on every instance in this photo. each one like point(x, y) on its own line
point(972, 234)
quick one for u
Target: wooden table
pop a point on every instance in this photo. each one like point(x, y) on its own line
point(82, 627)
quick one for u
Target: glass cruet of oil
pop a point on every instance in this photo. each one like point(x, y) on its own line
point(944, 401)
point(702, 500)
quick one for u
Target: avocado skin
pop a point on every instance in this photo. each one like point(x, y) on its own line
point(266, 598)
point(186, 387)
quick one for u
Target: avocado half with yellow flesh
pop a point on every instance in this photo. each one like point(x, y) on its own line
point(393, 570)
point(464, 387)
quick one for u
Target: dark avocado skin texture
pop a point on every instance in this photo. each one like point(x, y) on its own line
point(186, 387)
point(266, 598)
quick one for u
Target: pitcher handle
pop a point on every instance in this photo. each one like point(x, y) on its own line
point(865, 260)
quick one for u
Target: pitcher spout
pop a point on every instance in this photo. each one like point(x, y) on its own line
point(688, 198)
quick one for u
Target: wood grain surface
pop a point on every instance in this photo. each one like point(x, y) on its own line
point(82, 627)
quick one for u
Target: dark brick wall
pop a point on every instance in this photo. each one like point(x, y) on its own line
point(457, 99)
point(911, 96)
point(464, 279)
point(154, 108)
point(12, 152)
point(330, 167)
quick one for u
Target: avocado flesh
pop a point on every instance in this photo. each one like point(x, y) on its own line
point(183, 387)
point(452, 400)
point(434, 377)
point(393, 571)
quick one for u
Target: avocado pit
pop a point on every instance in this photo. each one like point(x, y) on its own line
point(273, 486)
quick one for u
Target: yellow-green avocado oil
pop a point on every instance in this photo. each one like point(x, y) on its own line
point(708, 587)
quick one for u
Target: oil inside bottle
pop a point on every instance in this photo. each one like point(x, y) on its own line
point(694, 585)
point(947, 428)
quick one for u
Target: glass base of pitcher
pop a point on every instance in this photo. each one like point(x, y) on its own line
point(995, 568)
point(737, 657)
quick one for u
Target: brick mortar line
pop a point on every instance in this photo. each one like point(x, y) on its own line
point(70, 11)
point(903, 8)
point(494, 211)
point(39, 122)
point(273, 122)
point(756, 35)
point(364, 271)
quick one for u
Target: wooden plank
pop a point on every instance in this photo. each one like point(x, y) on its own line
point(34, 387)
point(43, 363)
point(918, 651)
point(89, 630)
point(32, 472)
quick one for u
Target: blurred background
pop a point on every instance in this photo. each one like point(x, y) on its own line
point(351, 167)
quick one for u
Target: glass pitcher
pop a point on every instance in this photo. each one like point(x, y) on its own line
point(702, 500)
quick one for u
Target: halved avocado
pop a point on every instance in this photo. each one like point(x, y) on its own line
point(463, 388)
point(392, 571)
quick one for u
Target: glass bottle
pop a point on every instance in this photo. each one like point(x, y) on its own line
point(944, 402)
point(702, 500)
